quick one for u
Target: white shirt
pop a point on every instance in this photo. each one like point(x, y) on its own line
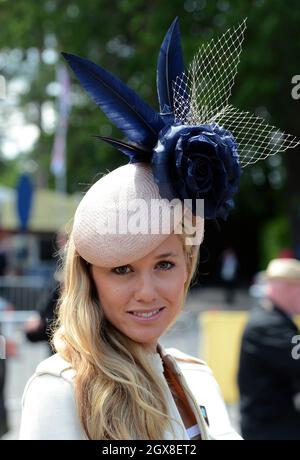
point(49, 409)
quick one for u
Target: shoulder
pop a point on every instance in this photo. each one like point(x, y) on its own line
point(183, 357)
point(49, 395)
point(189, 365)
point(57, 366)
point(52, 377)
point(50, 384)
point(265, 325)
point(187, 361)
point(261, 316)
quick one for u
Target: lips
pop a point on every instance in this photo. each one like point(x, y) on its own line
point(146, 311)
point(151, 316)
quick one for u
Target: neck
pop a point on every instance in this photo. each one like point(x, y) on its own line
point(152, 348)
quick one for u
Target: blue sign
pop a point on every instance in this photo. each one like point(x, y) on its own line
point(24, 200)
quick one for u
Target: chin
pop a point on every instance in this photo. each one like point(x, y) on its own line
point(145, 341)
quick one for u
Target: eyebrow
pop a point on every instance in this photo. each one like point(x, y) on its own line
point(166, 254)
point(160, 256)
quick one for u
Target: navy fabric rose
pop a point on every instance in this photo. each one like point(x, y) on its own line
point(200, 161)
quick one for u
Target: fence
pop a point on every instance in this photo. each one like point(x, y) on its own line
point(24, 292)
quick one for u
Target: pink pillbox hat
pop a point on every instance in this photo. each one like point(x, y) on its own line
point(108, 200)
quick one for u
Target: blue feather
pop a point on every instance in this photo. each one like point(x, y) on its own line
point(136, 152)
point(138, 121)
point(169, 65)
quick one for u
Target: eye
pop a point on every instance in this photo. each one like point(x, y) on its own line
point(120, 270)
point(164, 262)
point(123, 269)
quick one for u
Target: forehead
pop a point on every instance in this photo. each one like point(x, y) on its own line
point(171, 245)
point(285, 283)
point(294, 282)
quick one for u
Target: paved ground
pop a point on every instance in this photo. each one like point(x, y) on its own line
point(185, 335)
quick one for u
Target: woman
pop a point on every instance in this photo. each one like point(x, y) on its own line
point(111, 379)
point(132, 255)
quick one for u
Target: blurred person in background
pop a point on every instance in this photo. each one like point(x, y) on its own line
point(269, 374)
point(38, 328)
point(3, 256)
point(3, 411)
point(229, 269)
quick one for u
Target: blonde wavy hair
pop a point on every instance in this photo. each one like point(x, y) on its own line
point(118, 393)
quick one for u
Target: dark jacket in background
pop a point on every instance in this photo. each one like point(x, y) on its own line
point(47, 313)
point(3, 411)
point(269, 377)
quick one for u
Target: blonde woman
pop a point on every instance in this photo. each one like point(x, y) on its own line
point(111, 378)
point(133, 252)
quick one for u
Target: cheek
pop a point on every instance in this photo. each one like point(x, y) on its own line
point(296, 296)
point(111, 294)
point(275, 291)
point(175, 283)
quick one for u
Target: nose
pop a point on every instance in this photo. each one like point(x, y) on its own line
point(145, 290)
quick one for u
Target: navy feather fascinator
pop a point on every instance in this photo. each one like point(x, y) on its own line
point(198, 143)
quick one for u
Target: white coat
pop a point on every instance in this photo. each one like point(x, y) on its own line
point(49, 409)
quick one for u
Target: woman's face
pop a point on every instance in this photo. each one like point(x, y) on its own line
point(155, 282)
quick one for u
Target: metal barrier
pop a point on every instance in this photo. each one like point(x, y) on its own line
point(24, 292)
